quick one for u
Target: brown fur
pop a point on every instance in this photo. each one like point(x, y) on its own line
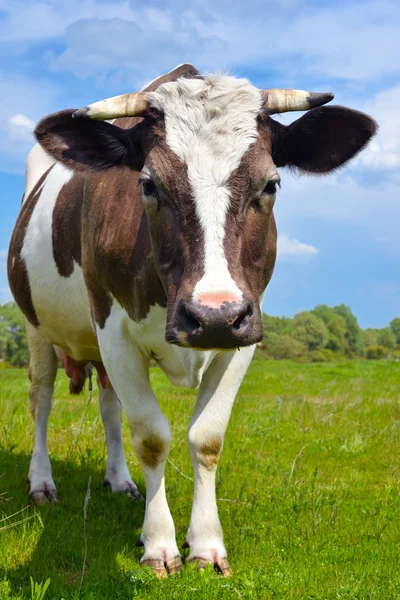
point(250, 243)
point(117, 255)
point(152, 451)
point(67, 226)
point(210, 451)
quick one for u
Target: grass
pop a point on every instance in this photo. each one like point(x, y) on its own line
point(308, 489)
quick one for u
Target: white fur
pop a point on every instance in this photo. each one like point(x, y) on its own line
point(37, 163)
point(217, 394)
point(61, 303)
point(43, 367)
point(117, 472)
point(126, 358)
point(210, 125)
point(126, 348)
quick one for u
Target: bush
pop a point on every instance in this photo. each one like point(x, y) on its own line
point(377, 352)
point(287, 347)
point(395, 354)
point(5, 364)
point(323, 355)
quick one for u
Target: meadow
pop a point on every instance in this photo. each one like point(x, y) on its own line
point(308, 491)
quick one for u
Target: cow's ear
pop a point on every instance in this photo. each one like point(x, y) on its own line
point(321, 140)
point(84, 144)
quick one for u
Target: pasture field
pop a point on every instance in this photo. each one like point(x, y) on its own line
point(308, 491)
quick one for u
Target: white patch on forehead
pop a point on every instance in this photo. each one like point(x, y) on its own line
point(210, 124)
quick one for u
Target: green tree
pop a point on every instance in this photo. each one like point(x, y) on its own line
point(310, 330)
point(386, 337)
point(279, 325)
point(336, 327)
point(370, 337)
point(354, 335)
point(395, 327)
point(13, 340)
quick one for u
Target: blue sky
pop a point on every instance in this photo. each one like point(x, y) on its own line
point(339, 239)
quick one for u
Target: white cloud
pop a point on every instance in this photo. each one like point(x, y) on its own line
point(25, 21)
point(3, 254)
point(291, 250)
point(20, 128)
point(352, 41)
point(341, 202)
point(23, 101)
point(384, 150)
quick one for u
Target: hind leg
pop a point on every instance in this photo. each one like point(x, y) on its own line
point(117, 472)
point(42, 372)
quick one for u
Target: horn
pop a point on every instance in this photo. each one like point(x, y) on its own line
point(279, 100)
point(127, 105)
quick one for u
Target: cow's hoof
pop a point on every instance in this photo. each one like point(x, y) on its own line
point(161, 568)
point(220, 564)
point(127, 487)
point(45, 495)
point(174, 565)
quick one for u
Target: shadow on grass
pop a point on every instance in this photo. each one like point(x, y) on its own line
point(49, 542)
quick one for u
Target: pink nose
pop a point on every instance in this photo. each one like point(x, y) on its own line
point(217, 299)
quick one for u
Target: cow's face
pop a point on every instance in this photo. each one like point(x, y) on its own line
point(208, 156)
point(209, 184)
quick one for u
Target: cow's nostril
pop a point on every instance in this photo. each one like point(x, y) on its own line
point(190, 323)
point(242, 319)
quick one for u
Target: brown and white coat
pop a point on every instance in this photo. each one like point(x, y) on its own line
point(155, 239)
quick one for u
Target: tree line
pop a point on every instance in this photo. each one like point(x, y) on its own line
point(325, 333)
point(321, 334)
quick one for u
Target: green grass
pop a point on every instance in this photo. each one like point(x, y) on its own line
point(308, 489)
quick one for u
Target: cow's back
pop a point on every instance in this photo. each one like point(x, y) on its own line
point(44, 264)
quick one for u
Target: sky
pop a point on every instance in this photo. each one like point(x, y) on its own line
point(338, 234)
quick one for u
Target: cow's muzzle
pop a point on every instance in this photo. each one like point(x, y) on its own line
point(232, 325)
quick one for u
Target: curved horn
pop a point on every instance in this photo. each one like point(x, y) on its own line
point(279, 100)
point(127, 105)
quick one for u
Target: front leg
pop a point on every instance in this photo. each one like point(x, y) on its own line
point(128, 371)
point(207, 428)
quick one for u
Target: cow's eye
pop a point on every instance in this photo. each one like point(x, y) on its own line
point(270, 188)
point(149, 188)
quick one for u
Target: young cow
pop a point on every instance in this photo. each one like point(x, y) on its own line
point(154, 238)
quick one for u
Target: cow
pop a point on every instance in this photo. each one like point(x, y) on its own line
point(147, 233)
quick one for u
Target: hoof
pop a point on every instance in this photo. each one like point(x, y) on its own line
point(161, 569)
point(44, 496)
point(221, 565)
point(129, 488)
point(174, 565)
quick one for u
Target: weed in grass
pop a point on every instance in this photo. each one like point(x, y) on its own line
point(38, 590)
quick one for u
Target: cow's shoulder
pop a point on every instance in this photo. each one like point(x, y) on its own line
point(117, 256)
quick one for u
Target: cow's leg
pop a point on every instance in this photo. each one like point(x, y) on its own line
point(128, 371)
point(117, 472)
point(206, 434)
point(42, 372)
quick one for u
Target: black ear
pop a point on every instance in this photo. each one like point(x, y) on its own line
point(321, 140)
point(84, 144)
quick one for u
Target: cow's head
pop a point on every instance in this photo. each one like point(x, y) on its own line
point(208, 154)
